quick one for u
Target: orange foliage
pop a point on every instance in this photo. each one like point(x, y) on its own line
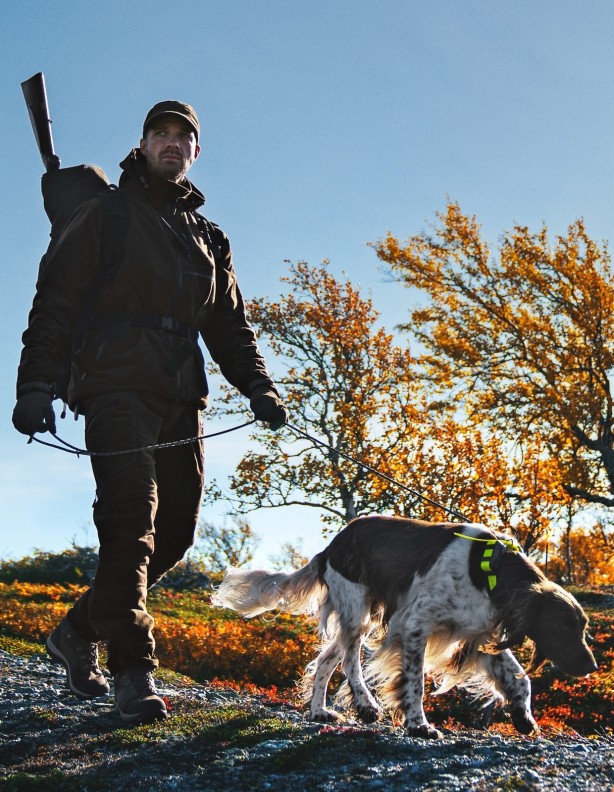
point(525, 339)
point(347, 383)
point(32, 610)
point(233, 650)
point(191, 638)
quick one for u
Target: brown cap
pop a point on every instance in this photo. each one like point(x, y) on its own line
point(172, 107)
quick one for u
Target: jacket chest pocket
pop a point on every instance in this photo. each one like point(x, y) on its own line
point(199, 278)
point(199, 268)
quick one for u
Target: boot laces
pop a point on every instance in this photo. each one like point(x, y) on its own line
point(88, 655)
point(143, 683)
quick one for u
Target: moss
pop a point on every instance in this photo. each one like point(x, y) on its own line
point(20, 646)
point(45, 716)
point(218, 727)
point(321, 749)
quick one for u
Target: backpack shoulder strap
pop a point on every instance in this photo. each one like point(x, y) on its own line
point(114, 227)
point(209, 231)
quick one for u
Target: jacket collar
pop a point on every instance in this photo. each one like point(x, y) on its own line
point(137, 177)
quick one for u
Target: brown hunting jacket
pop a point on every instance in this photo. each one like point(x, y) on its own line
point(176, 277)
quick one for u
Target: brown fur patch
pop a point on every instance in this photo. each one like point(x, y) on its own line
point(386, 553)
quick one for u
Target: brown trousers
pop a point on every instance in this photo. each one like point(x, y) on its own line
point(145, 512)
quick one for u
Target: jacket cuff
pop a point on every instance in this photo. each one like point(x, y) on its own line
point(34, 387)
point(257, 387)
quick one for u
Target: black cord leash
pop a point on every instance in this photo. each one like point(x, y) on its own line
point(71, 449)
point(414, 492)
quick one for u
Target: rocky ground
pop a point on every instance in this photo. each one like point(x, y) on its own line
point(220, 739)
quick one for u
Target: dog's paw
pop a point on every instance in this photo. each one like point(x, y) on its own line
point(426, 731)
point(523, 722)
point(487, 714)
point(368, 714)
point(325, 716)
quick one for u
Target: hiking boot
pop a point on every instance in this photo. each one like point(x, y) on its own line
point(80, 658)
point(136, 696)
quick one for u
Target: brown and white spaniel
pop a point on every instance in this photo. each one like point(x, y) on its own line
point(439, 599)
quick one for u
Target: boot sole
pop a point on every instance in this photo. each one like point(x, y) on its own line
point(57, 657)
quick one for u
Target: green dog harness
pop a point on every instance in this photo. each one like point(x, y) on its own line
point(493, 553)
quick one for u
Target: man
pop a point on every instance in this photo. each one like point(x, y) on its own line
point(138, 377)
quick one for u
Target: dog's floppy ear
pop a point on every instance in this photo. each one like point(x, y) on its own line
point(537, 661)
point(514, 636)
point(515, 616)
point(532, 624)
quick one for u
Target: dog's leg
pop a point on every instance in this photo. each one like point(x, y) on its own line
point(366, 706)
point(411, 690)
point(511, 680)
point(325, 664)
point(352, 606)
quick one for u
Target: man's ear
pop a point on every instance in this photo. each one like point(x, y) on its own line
point(143, 145)
point(196, 151)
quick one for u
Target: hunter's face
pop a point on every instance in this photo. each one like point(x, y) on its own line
point(170, 148)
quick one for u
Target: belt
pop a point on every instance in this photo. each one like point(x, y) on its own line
point(168, 324)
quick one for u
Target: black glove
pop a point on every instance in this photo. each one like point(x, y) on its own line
point(267, 406)
point(34, 413)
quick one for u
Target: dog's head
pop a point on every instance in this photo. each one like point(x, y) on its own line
point(556, 624)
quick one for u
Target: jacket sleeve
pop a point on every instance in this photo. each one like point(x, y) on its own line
point(63, 280)
point(227, 334)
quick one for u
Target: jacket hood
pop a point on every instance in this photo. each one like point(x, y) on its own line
point(135, 171)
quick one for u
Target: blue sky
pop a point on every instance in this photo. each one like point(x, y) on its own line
point(325, 124)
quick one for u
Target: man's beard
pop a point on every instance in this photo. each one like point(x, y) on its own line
point(171, 170)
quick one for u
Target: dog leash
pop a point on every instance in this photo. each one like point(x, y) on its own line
point(71, 449)
point(62, 445)
point(381, 475)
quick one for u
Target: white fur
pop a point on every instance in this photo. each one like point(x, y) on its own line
point(251, 592)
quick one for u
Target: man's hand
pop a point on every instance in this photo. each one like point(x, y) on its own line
point(267, 406)
point(34, 413)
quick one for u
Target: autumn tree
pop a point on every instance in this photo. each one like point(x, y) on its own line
point(524, 338)
point(349, 385)
point(290, 556)
point(478, 472)
point(584, 556)
point(220, 546)
point(346, 383)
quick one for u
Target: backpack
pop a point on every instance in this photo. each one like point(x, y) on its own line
point(64, 191)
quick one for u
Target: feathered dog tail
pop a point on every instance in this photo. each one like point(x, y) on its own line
point(251, 592)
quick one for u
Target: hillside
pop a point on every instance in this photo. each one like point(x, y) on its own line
point(233, 735)
point(220, 739)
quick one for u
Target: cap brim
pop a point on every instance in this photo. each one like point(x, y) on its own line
point(171, 113)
